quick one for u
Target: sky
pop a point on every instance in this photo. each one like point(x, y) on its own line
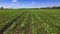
point(28, 3)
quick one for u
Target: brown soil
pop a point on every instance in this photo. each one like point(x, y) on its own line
point(28, 29)
point(38, 22)
point(18, 29)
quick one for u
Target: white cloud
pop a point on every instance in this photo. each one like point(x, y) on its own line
point(33, 3)
point(14, 0)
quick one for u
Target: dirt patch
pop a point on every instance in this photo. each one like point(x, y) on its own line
point(28, 29)
point(39, 26)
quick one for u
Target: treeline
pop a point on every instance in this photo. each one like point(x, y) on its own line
point(54, 7)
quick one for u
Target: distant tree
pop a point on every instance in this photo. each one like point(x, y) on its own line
point(36, 8)
point(58, 7)
point(1, 7)
point(54, 7)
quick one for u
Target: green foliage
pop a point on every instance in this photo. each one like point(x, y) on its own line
point(30, 21)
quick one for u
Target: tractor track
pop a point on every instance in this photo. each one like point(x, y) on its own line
point(10, 23)
point(38, 23)
point(28, 29)
point(18, 29)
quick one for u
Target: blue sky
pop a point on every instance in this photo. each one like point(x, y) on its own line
point(28, 3)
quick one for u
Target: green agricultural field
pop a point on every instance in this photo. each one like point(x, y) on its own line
point(29, 21)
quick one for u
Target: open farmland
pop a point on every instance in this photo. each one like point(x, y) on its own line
point(29, 21)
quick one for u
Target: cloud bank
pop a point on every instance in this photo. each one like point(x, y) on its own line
point(14, 0)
